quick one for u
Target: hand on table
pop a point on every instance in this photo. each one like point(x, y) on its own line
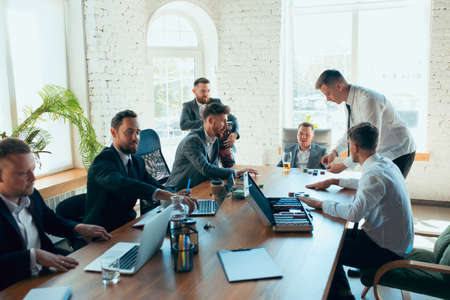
point(88, 232)
point(59, 262)
point(336, 168)
point(249, 170)
point(316, 203)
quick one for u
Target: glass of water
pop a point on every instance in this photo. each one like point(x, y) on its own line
point(110, 270)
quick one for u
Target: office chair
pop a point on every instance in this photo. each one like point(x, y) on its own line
point(73, 208)
point(150, 150)
point(422, 271)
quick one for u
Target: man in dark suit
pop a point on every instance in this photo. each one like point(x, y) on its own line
point(306, 153)
point(117, 178)
point(197, 155)
point(191, 115)
point(25, 219)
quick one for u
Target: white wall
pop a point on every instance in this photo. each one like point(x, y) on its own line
point(247, 76)
point(430, 180)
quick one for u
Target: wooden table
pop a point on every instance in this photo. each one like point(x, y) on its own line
point(307, 260)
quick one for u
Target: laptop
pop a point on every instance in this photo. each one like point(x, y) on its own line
point(134, 255)
point(209, 207)
point(283, 214)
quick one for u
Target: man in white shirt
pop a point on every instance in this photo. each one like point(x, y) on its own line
point(306, 153)
point(364, 105)
point(25, 219)
point(381, 199)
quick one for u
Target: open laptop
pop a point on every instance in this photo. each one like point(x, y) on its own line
point(283, 214)
point(209, 207)
point(134, 255)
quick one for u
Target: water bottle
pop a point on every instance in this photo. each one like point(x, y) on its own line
point(178, 213)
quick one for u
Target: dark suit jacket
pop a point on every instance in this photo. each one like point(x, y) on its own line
point(111, 194)
point(315, 156)
point(190, 117)
point(191, 161)
point(14, 256)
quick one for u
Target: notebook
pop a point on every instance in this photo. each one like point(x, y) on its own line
point(54, 293)
point(248, 264)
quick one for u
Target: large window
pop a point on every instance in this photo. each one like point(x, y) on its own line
point(176, 58)
point(381, 45)
point(33, 54)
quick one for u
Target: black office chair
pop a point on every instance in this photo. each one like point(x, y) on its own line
point(73, 208)
point(150, 150)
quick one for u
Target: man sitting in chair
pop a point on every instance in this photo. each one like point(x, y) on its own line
point(117, 178)
point(197, 156)
point(306, 153)
point(25, 219)
point(382, 199)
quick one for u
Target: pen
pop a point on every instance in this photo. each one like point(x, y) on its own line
point(240, 249)
point(187, 188)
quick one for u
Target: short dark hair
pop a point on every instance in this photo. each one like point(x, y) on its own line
point(10, 146)
point(215, 109)
point(365, 135)
point(201, 80)
point(328, 77)
point(118, 118)
point(306, 124)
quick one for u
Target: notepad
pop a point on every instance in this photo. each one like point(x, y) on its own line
point(54, 293)
point(248, 264)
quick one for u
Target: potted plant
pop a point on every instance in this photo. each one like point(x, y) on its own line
point(57, 103)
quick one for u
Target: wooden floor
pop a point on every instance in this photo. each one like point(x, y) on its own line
point(427, 218)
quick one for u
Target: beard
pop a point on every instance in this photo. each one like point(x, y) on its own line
point(128, 150)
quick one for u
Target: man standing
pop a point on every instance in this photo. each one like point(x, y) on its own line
point(306, 153)
point(25, 219)
point(382, 199)
point(191, 115)
point(117, 178)
point(197, 156)
point(364, 105)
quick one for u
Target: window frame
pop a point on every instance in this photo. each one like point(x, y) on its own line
point(355, 7)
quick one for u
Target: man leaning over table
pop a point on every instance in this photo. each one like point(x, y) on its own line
point(25, 249)
point(381, 199)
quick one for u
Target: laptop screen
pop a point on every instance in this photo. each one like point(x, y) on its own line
point(260, 199)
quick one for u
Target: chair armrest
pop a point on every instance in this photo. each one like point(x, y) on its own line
point(408, 264)
point(426, 233)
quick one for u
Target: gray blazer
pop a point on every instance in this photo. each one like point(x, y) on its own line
point(315, 157)
point(191, 161)
point(190, 117)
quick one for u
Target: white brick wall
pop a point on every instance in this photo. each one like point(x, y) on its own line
point(430, 180)
point(247, 76)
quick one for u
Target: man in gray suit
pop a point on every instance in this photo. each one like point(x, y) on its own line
point(191, 115)
point(197, 155)
point(306, 153)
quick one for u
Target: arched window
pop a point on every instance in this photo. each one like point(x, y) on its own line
point(177, 57)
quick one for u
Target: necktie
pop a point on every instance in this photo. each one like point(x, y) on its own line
point(130, 169)
point(349, 109)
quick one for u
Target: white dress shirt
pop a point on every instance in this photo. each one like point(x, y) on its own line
point(366, 105)
point(209, 144)
point(302, 158)
point(382, 199)
point(27, 227)
point(125, 158)
point(201, 107)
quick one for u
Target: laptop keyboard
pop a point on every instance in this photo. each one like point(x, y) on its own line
point(128, 260)
point(206, 206)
